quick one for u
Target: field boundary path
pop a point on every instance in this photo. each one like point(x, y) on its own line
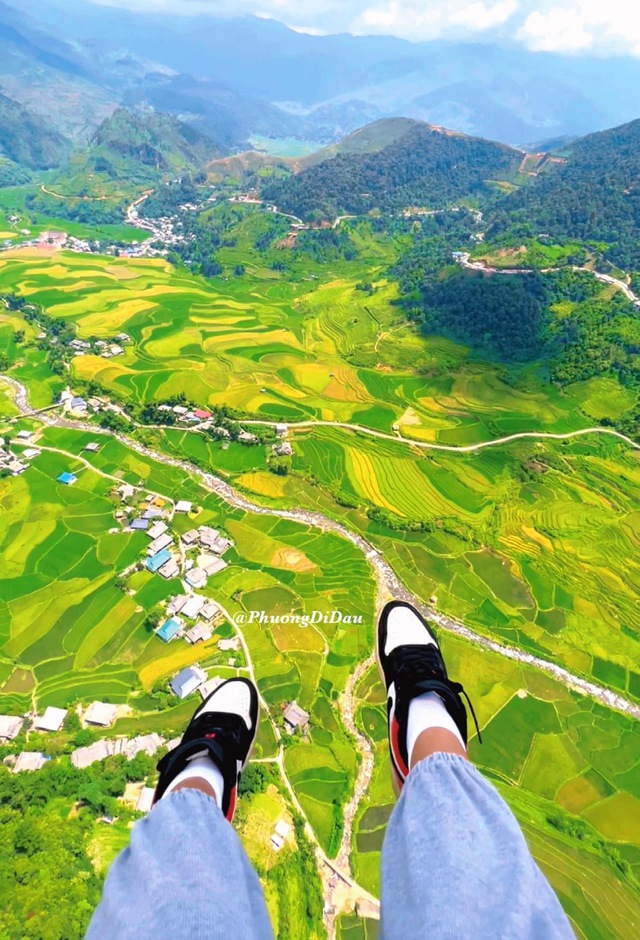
point(389, 586)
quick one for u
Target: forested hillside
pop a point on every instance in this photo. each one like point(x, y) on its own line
point(425, 166)
point(27, 140)
point(594, 196)
point(157, 141)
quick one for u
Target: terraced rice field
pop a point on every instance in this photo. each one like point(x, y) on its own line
point(555, 757)
point(535, 543)
point(283, 350)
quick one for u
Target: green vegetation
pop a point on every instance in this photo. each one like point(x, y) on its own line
point(26, 140)
point(424, 166)
point(593, 197)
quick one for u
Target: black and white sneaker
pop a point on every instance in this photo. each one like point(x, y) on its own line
point(411, 664)
point(223, 728)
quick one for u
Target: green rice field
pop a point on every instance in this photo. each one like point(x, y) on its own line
point(534, 543)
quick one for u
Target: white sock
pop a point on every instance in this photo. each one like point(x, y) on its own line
point(428, 711)
point(201, 767)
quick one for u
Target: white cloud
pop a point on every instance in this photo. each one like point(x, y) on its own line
point(480, 16)
point(582, 26)
point(571, 26)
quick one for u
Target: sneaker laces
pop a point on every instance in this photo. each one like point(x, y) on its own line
point(421, 669)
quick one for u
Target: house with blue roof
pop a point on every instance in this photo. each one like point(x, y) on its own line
point(169, 629)
point(141, 524)
point(67, 478)
point(156, 562)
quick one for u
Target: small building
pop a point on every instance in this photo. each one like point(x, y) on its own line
point(201, 415)
point(283, 449)
point(151, 512)
point(180, 410)
point(156, 562)
point(176, 604)
point(162, 541)
point(295, 717)
point(169, 629)
point(276, 843)
point(10, 727)
point(145, 800)
point(78, 404)
point(101, 713)
point(52, 720)
point(196, 578)
point(16, 467)
point(67, 478)
point(192, 608)
point(190, 537)
point(210, 610)
point(140, 525)
point(187, 681)
point(184, 505)
point(246, 437)
point(210, 686)
point(25, 436)
point(157, 529)
point(283, 828)
point(30, 760)
point(220, 546)
point(92, 447)
point(281, 429)
point(232, 643)
point(208, 536)
point(30, 453)
point(169, 570)
point(126, 490)
point(199, 634)
point(214, 567)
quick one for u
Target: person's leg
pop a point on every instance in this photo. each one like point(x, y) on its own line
point(454, 861)
point(185, 873)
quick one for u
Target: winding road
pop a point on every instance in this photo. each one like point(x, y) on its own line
point(388, 585)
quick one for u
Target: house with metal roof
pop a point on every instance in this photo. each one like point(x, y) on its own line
point(187, 681)
point(140, 525)
point(51, 720)
point(156, 562)
point(67, 478)
point(10, 727)
point(169, 629)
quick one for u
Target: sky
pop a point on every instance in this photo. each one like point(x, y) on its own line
point(579, 27)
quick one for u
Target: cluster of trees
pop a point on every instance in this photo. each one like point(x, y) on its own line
point(88, 211)
point(595, 196)
point(424, 167)
point(323, 245)
point(502, 316)
point(45, 850)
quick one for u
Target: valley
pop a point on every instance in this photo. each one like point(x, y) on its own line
point(245, 399)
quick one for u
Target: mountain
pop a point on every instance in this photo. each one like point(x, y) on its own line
point(594, 195)
point(326, 86)
point(134, 147)
point(27, 140)
point(50, 77)
point(421, 165)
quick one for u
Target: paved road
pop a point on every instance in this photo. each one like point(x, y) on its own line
point(451, 448)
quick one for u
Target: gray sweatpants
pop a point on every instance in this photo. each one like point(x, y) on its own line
point(454, 865)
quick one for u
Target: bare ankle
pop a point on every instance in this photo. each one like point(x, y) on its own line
point(196, 783)
point(434, 741)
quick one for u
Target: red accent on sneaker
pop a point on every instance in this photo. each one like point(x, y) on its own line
point(212, 735)
point(232, 805)
point(394, 732)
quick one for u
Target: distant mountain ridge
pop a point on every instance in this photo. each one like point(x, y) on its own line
point(322, 87)
point(26, 140)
